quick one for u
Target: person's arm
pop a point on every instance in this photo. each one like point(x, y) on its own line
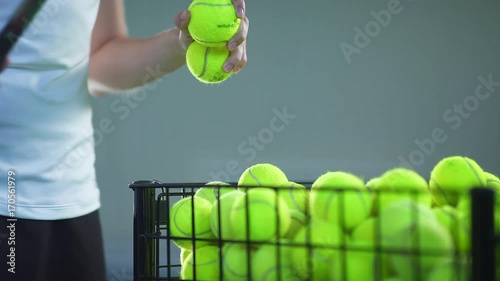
point(118, 62)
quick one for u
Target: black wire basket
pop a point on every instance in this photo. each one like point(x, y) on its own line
point(157, 256)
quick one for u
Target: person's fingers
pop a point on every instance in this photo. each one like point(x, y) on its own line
point(240, 36)
point(234, 59)
point(181, 20)
point(243, 61)
point(239, 6)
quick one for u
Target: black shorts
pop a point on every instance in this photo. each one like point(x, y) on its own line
point(58, 250)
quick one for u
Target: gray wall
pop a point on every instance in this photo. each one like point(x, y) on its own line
point(361, 116)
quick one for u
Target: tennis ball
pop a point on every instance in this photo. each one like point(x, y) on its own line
point(401, 215)
point(359, 261)
point(202, 264)
point(295, 195)
point(225, 203)
point(205, 63)
point(492, 181)
point(268, 215)
point(235, 261)
point(212, 190)
point(453, 221)
point(262, 175)
point(365, 231)
point(181, 222)
point(183, 255)
point(273, 263)
point(372, 184)
point(368, 232)
point(341, 198)
point(322, 241)
point(420, 246)
point(297, 222)
point(399, 184)
point(450, 271)
point(452, 177)
point(213, 22)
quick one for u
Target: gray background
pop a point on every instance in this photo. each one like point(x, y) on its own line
point(361, 116)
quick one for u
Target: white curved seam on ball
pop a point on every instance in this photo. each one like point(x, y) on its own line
point(294, 200)
point(228, 267)
point(474, 171)
point(270, 270)
point(205, 62)
point(254, 177)
point(180, 230)
point(441, 190)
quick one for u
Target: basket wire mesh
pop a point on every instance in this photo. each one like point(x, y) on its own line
point(156, 255)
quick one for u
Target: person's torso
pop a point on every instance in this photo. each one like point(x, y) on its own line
point(45, 113)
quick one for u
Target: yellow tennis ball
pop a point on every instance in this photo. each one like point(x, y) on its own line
point(453, 221)
point(340, 198)
point(401, 215)
point(450, 271)
point(212, 190)
point(297, 222)
point(183, 255)
point(268, 216)
point(365, 231)
point(452, 177)
point(368, 232)
point(400, 184)
point(213, 22)
point(181, 222)
point(205, 63)
point(235, 259)
point(372, 184)
point(262, 175)
point(424, 243)
point(359, 261)
point(273, 263)
point(225, 204)
point(203, 264)
point(295, 195)
point(322, 241)
point(492, 181)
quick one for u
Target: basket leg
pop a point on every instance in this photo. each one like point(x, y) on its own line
point(483, 234)
point(144, 261)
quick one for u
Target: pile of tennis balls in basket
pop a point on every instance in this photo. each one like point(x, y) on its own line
point(394, 227)
point(212, 24)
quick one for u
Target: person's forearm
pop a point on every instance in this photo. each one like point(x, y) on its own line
point(126, 63)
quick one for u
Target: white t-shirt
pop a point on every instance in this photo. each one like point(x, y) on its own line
point(46, 134)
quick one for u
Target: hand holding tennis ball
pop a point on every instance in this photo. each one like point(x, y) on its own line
point(215, 23)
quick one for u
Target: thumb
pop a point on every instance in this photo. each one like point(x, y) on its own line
point(182, 19)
